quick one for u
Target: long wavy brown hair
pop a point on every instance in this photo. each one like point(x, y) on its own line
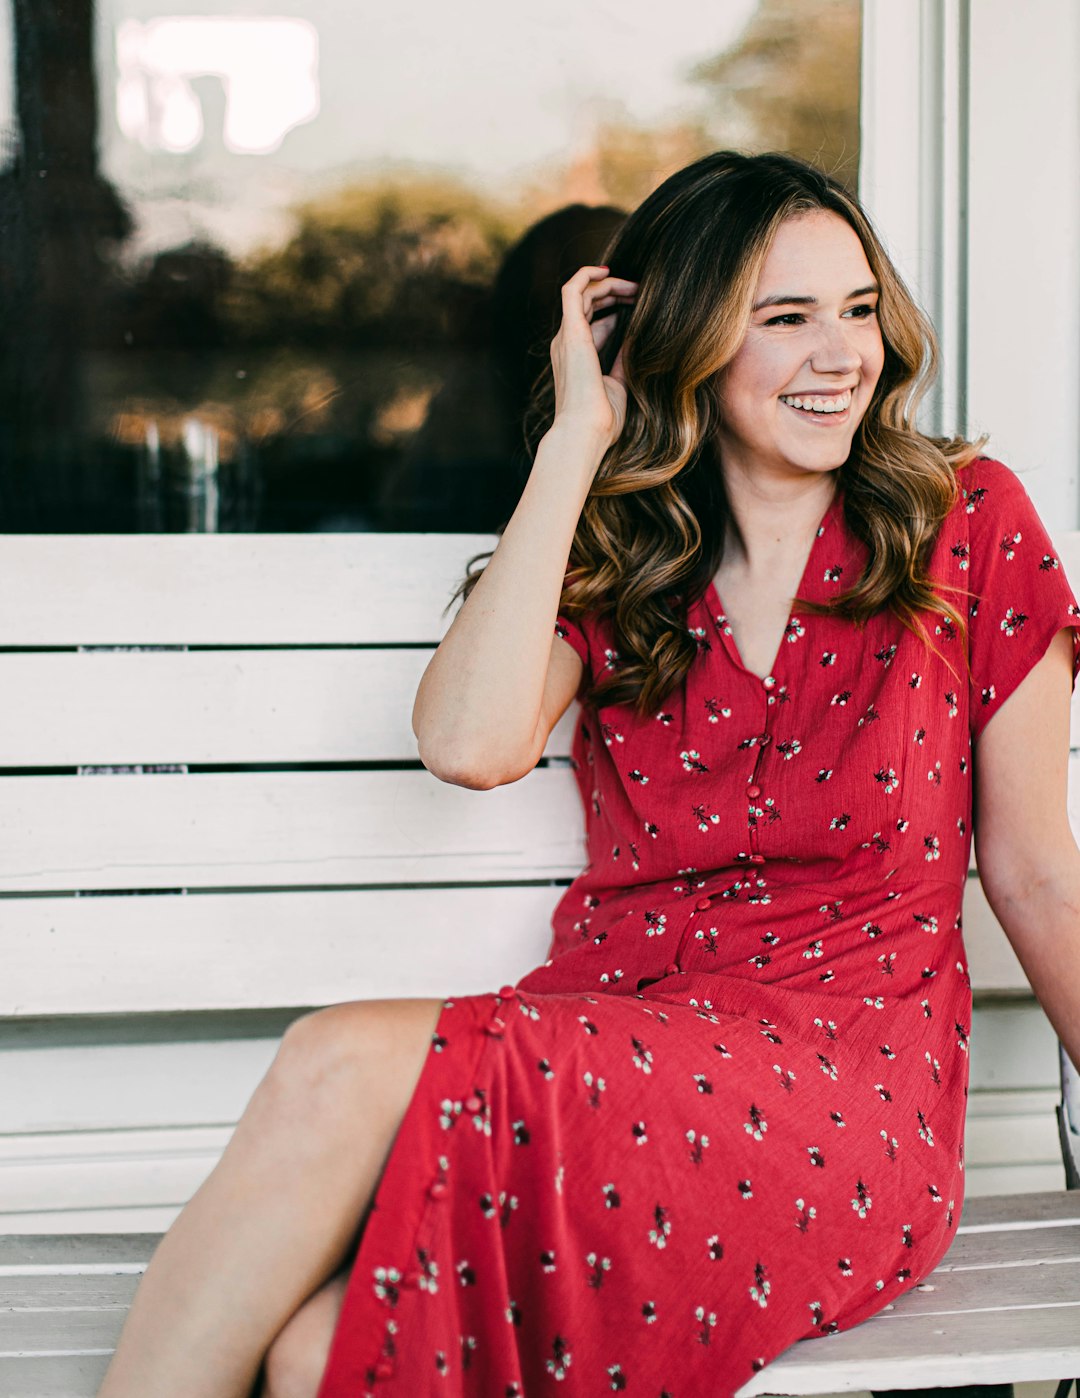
point(651, 534)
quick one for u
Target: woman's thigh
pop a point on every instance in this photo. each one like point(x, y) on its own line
point(356, 1063)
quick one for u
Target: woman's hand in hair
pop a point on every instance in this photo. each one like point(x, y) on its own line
point(587, 399)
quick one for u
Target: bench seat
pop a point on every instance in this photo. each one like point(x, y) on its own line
point(1003, 1305)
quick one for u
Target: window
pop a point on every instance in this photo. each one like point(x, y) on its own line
point(298, 272)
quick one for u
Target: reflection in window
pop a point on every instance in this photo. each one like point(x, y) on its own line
point(298, 272)
point(268, 69)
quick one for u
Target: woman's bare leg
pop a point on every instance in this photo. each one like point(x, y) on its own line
point(275, 1218)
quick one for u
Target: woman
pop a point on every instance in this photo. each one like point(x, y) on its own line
point(728, 1111)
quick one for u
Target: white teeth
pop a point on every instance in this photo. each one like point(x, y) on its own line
point(820, 405)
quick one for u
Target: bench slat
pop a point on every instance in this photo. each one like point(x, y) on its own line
point(229, 589)
point(73, 1376)
point(64, 708)
point(312, 948)
point(61, 955)
point(78, 1250)
point(985, 1347)
point(85, 1292)
point(281, 829)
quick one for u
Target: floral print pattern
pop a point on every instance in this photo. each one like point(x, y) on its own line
point(727, 1112)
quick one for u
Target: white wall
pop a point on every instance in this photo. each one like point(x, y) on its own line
point(970, 160)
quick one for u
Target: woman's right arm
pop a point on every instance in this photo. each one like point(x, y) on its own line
point(501, 679)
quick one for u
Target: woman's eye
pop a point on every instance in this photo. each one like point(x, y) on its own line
point(863, 312)
point(791, 318)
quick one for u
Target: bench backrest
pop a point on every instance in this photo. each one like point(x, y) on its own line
point(299, 852)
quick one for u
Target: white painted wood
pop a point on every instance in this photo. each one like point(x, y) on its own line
point(83, 1252)
point(282, 829)
point(964, 105)
point(65, 708)
point(1029, 1212)
point(110, 1087)
point(983, 1180)
point(913, 169)
point(257, 950)
point(1025, 216)
point(989, 1347)
point(1002, 1306)
point(1013, 1050)
point(74, 1375)
point(230, 589)
point(891, 178)
point(1012, 1139)
point(107, 1221)
point(122, 1169)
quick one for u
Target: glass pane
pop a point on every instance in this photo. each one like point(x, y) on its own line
point(263, 272)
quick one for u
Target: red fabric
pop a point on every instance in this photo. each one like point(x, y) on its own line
point(728, 1111)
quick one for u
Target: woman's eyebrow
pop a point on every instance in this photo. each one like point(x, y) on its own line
point(783, 299)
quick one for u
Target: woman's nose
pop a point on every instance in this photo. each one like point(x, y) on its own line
point(835, 351)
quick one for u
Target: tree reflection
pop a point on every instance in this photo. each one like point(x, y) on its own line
point(61, 222)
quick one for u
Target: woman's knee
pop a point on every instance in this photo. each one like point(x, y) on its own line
point(363, 1042)
point(325, 1051)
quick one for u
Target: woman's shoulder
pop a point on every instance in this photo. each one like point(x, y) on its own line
point(984, 479)
point(990, 495)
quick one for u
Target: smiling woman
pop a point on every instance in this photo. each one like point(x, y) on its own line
point(727, 1111)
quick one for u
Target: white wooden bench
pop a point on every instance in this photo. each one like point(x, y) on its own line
point(291, 852)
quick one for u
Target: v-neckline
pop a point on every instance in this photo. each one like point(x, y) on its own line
point(728, 636)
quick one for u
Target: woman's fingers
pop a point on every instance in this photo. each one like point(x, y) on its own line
point(583, 393)
point(591, 287)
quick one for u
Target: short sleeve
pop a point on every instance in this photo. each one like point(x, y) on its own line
point(1020, 594)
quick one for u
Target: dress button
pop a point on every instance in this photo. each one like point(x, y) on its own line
point(472, 1104)
point(411, 1280)
point(506, 992)
point(769, 681)
point(671, 969)
point(384, 1369)
point(753, 790)
point(765, 740)
point(702, 904)
point(437, 1189)
point(757, 859)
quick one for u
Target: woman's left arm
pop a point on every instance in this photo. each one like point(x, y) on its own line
point(1029, 863)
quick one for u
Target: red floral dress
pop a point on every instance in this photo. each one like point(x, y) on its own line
point(728, 1111)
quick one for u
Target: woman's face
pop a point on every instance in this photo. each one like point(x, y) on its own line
point(805, 373)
